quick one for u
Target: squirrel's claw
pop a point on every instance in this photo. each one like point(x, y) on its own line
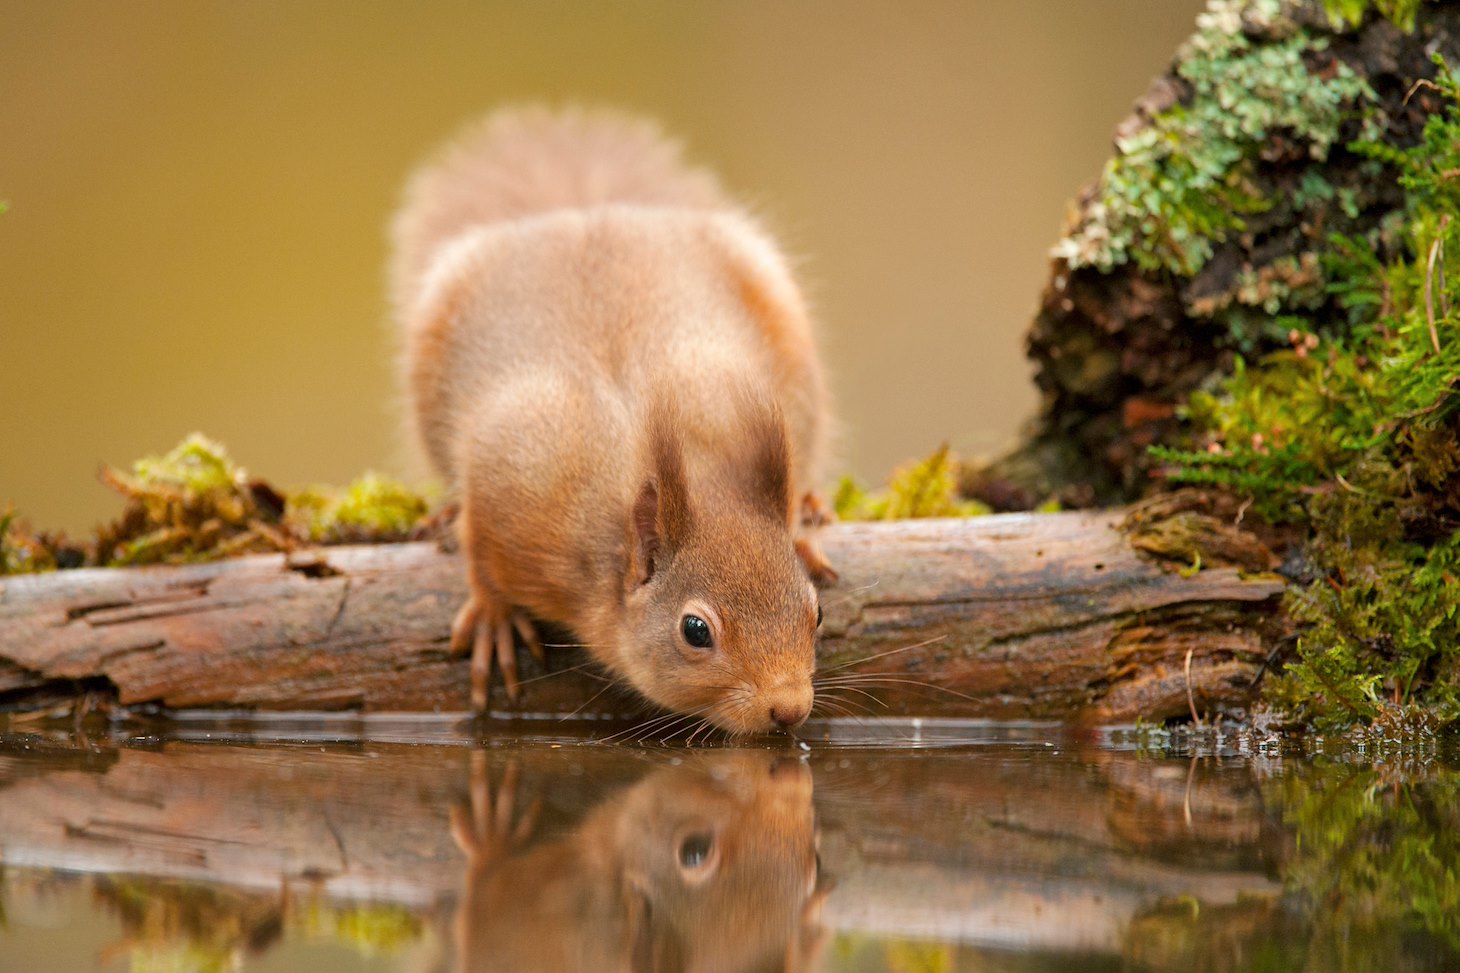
point(485, 828)
point(485, 631)
point(527, 632)
point(816, 563)
point(815, 511)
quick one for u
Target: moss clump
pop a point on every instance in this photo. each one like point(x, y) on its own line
point(1351, 13)
point(20, 551)
point(928, 488)
point(374, 508)
point(190, 504)
point(1185, 181)
point(1356, 439)
point(1224, 214)
point(195, 504)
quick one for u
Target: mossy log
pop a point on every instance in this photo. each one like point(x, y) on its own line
point(1016, 616)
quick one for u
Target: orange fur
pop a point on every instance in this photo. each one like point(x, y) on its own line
point(586, 318)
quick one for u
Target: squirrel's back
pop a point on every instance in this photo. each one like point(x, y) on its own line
point(522, 161)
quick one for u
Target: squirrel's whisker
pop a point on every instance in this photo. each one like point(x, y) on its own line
point(882, 655)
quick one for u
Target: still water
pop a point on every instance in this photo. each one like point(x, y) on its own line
point(902, 847)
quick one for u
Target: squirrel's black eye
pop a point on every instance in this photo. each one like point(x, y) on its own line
point(695, 849)
point(696, 631)
point(818, 616)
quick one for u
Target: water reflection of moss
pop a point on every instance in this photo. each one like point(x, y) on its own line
point(1253, 935)
point(859, 951)
point(210, 928)
point(373, 930)
point(1376, 861)
point(185, 926)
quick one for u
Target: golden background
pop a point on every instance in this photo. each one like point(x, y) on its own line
point(198, 194)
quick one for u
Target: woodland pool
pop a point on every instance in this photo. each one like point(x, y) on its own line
point(901, 846)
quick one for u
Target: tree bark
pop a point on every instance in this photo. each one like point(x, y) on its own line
point(1017, 616)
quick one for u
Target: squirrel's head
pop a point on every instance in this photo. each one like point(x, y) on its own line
point(721, 615)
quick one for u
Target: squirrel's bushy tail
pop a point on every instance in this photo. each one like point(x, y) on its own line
point(521, 161)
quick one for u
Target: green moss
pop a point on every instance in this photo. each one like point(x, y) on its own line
point(928, 488)
point(197, 465)
point(190, 504)
point(21, 552)
point(1184, 182)
point(195, 504)
point(1355, 438)
point(373, 507)
point(1351, 13)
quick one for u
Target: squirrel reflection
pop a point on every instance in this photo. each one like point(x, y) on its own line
point(706, 866)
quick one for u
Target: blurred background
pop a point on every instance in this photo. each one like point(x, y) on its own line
point(199, 191)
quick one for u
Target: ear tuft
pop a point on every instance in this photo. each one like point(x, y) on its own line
point(647, 537)
point(661, 512)
point(771, 461)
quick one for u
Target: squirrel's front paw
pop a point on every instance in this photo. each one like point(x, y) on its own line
point(484, 626)
point(815, 561)
point(815, 511)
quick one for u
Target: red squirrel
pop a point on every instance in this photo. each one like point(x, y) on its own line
point(613, 367)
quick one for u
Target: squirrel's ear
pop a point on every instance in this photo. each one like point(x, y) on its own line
point(771, 463)
point(660, 518)
point(647, 537)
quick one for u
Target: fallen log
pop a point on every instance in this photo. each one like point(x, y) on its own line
point(1011, 616)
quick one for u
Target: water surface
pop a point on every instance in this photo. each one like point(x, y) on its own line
point(906, 847)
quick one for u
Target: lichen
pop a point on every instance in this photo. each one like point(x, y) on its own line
point(1184, 181)
point(927, 488)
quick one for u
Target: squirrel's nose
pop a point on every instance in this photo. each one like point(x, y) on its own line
point(790, 709)
point(790, 702)
point(788, 716)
